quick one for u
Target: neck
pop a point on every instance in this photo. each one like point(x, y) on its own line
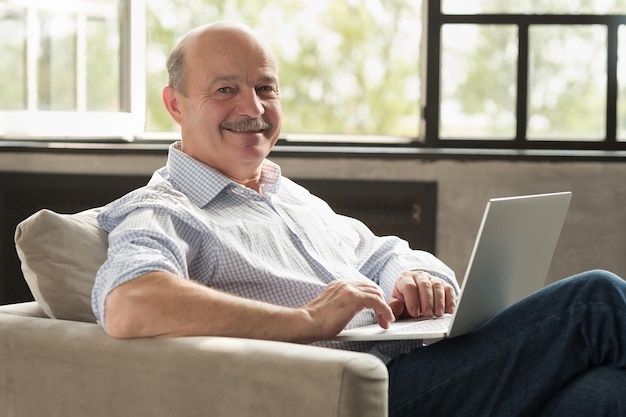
point(250, 181)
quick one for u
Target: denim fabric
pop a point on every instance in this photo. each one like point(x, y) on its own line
point(558, 352)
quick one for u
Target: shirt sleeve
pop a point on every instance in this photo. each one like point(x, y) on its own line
point(142, 241)
point(386, 257)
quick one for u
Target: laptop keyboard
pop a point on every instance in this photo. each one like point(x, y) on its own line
point(426, 325)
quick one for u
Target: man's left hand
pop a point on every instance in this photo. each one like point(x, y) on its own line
point(417, 293)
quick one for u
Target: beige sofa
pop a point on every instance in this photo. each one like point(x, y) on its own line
point(61, 368)
point(56, 361)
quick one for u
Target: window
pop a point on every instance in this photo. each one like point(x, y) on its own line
point(527, 75)
point(438, 73)
point(71, 68)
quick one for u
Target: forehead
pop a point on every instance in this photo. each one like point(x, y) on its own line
point(230, 55)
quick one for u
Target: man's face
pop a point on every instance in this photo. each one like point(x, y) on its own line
point(231, 115)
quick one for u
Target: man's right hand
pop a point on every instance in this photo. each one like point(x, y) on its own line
point(340, 301)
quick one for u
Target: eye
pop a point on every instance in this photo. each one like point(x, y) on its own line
point(225, 90)
point(268, 90)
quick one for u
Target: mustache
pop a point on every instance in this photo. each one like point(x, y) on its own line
point(246, 125)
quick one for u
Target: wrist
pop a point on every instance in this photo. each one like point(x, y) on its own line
point(302, 326)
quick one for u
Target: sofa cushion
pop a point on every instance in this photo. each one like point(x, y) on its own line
point(60, 255)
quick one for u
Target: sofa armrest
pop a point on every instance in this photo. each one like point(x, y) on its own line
point(71, 369)
point(27, 309)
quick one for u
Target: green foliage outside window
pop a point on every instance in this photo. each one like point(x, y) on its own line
point(349, 67)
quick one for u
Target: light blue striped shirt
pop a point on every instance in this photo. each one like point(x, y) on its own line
point(281, 246)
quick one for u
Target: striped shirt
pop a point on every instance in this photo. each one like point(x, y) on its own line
point(281, 246)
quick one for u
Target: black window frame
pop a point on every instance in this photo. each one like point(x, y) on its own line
point(436, 19)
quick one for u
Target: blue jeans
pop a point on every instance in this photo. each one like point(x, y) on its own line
point(558, 352)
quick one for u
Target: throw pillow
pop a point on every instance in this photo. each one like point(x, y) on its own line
point(60, 255)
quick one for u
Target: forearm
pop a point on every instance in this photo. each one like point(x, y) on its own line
point(162, 304)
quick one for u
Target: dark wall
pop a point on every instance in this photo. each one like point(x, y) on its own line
point(406, 209)
point(22, 194)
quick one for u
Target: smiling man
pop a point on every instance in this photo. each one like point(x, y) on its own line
point(225, 96)
point(220, 243)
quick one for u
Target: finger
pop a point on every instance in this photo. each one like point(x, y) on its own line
point(426, 295)
point(450, 299)
point(439, 297)
point(406, 290)
point(397, 306)
point(384, 314)
point(372, 297)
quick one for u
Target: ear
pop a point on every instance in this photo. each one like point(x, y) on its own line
point(170, 100)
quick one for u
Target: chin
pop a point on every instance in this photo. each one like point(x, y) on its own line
point(255, 156)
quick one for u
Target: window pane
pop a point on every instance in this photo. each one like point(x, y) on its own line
point(13, 62)
point(478, 81)
point(621, 82)
point(567, 82)
point(60, 56)
point(57, 62)
point(345, 67)
point(103, 65)
point(537, 6)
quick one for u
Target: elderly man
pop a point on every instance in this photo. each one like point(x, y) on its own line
point(220, 243)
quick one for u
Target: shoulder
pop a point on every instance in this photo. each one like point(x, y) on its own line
point(292, 188)
point(158, 199)
point(294, 193)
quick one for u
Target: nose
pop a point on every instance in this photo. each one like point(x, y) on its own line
point(250, 104)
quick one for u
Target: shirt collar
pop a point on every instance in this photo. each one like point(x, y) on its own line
point(201, 183)
point(270, 177)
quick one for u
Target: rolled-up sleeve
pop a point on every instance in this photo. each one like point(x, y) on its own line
point(384, 258)
point(140, 242)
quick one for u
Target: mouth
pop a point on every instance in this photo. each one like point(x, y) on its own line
point(245, 130)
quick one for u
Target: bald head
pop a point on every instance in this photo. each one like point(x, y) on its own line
point(208, 39)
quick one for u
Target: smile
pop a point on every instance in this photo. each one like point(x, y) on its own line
point(244, 131)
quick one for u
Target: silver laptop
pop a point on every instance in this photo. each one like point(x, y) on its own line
point(510, 260)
